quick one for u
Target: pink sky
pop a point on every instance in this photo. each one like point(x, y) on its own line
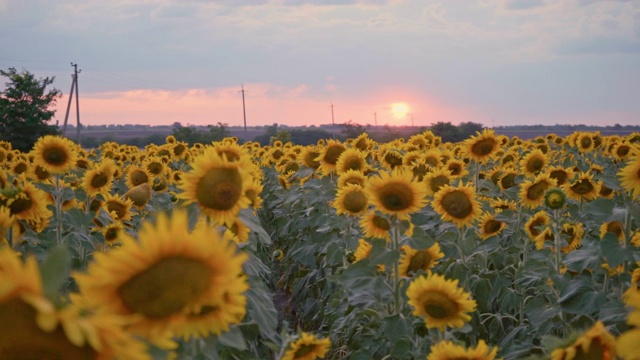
point(293, 106)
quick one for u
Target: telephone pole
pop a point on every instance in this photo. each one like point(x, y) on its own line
point(375, 118)
point(333, 122)
point(74, 86)
point(244, 110)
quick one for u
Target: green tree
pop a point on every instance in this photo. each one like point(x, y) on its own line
point(25, 108)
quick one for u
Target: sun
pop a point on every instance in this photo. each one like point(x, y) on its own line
point(399, 110)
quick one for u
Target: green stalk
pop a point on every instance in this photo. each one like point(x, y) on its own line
point(57, 199)
point(556, 239)
point(395, 242)
point(627, 233)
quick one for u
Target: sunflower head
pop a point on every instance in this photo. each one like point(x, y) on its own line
point(457, 204)
point(396, 193)
point(55, 154)
point(413, 261)
point(447, 350)
point(307, 347)
point(533, 163)
point(482, 146)
point(351, 200)
point(555, 198)
point(596, 343)
point(488, 226)
point(375, 226)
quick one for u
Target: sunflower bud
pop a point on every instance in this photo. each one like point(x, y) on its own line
point(139, 194)
point(278, 254)
point(555, 198)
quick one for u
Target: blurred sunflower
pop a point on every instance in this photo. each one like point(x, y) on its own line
point(532, 191)
point(482, 146)
point(447, 350)
point(488, 226)
point(395, 193)
point(351, 159)
point(457, 168)
point(38, 331)
point(440, 301)
point(57, 155)
point(436, 179)
point(412, 260)
point(19, 166)
point(584, 187)
point(571, 235)
point(629, 176)
point(232, 150)
point(533, 163)
point(596, 343)
point(7, 221)
point(503, 204)
point(410, 157)
point(26, 202)
point(375, 226)
point(457, 204)
point(38, 173)
point(419, 169)
point(307, 347)
point(534, 224)
point(139, 195)
point(174, 274)
point(390, 157)
point(252, 192)
point(621, 151)
point(350, 200)
point(362, 251)
point(217, 185)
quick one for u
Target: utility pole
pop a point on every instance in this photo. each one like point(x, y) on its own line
point(74, 85)
point(412, 121)
point(375, 118)
point(244, 110)
point(333, 122)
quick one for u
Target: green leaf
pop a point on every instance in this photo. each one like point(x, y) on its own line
point(261, 309)
point(600, 208)
point(247, 217)
point(396, 327)
point(55, 271)
point(233, 338)
point(612, 251)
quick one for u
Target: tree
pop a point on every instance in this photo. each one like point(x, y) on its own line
point(25, 108)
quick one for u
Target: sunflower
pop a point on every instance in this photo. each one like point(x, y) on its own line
point(614, 227)
point(488, 226)
point(252, 192)
point(533, 163)
point(136, 175)
point(350, 200)
point(165, 276)
point(570, 233)
point(307, 347)
point(447, 350)
point(351, 159)
point(7, 221)
point(629, 176)
point(561, 174)
point(435, 180)
point(231, 150)
point(118, 207)
point(482, 146)
point(412, 260)
point(582, 188)
point(457, 204)
point(38, 173)
point(508, 178)
point(532, 191)
point(390, 157)
point(55, 154)
point(329, 155)
point(596, 343)
point(537, 221)
point(19, 166)
point(503, 204)
point(26, 202)
point(362, 251)
point(114, 233)
point(457, 168)
point(308, 157)
point(396, 193)
point(440, 301)
point(375, 226)
point(217, 185)
point(99, 179)
point(585, 142)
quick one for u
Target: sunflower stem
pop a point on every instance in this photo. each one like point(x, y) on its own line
point(627, 233)
point(556, 238)
point(395, 240)
point(57, 200)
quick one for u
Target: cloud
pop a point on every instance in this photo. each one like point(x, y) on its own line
point(522, 4)
point(599, 46)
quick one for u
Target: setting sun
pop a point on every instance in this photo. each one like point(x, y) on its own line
point(399, 110)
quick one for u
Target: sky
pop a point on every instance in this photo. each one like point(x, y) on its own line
point(395, 62)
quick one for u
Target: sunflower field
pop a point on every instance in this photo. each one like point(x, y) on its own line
point(489, 248)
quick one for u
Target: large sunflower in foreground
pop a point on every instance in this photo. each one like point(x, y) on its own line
point(440, 301)
point(447, 350)
point(596, 343)
point(482, 146)
point(217, 185)
point(38, 331)
point(169, 275)
point(457, 204)
point(395, 193)
point(55, 154)
point(307, 347)
point(629, 176)
point(413, 260)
